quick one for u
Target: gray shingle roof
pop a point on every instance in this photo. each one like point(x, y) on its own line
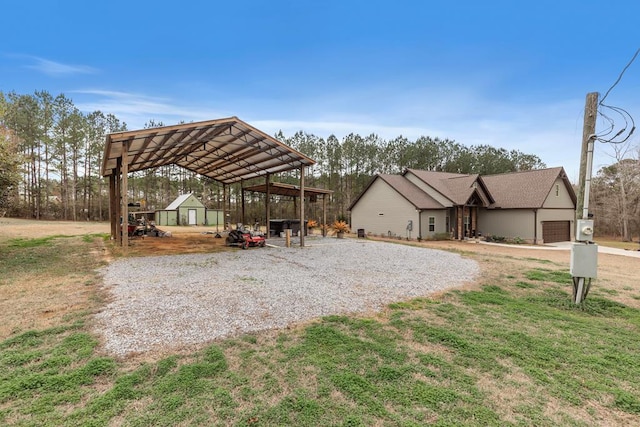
point(456, 187)
point(527, 189)
point(411, 192)
point(515, 190)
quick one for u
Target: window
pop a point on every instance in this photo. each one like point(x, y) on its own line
point(432, 224)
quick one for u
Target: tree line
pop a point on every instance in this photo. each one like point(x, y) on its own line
point(51, 156)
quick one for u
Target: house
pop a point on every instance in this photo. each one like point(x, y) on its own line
point(186, 209)
point(536, 206)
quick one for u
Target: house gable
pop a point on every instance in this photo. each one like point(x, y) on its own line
point(451, 189)
point(527, 189)
point(404, 188)
point(382, 209)
point(430, 186)
point(559, 196)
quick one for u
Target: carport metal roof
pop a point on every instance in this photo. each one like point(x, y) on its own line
point(227, 150)
point(283, 189)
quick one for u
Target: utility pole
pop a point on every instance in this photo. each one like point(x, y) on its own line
point(584, 252)
point(588, 129)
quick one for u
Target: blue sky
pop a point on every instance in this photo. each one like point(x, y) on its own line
point(511, 74)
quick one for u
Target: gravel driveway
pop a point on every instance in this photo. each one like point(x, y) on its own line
point(172, 301)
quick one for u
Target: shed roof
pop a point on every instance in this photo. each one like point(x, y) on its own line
point(178, 201)
point(227, 150)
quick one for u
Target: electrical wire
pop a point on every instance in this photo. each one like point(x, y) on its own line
point(620, 76)
point(624, 114)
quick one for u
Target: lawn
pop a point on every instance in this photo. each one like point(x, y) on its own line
point(617, 243)
point(510, 350)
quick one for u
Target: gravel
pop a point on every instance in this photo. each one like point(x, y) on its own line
point(165, 302)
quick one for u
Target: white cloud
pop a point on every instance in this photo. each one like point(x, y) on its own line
point(53, 68)
point(136, 109)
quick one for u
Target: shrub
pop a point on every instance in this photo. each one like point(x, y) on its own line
point(340, 227)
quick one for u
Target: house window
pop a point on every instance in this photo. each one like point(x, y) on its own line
point(557, 190)
point(432, 224)
point(467, 225)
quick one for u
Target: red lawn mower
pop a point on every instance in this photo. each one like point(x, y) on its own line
point(245, 239)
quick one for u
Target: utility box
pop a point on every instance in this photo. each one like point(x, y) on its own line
point(584, 230)
point(584, 260)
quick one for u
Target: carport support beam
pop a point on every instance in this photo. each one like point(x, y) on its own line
point(112, 205)
point(302, 227)
point(243, 219)
point(118, 202)
point(125, 198)
point(324, 215)
point(268, 206)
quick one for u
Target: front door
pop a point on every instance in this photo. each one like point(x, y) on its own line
point(192, 217)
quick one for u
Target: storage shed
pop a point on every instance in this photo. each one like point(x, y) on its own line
point(186, 209)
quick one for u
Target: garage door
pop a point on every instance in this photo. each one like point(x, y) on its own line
point(556, 231)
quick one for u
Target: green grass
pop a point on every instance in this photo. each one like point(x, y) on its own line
point(55, 256)
point(498, 355)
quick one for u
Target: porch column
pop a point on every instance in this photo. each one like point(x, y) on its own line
point(474, 220)
point(460, 226)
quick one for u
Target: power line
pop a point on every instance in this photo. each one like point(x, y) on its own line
point(621, 111)
point(619, 77)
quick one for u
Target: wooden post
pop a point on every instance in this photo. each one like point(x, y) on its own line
point(118, 201)
point(588, 129)
point(224, 207)
point(302, 227)
point(112, 205)
point(268, 207)
point(125, 196)
point(324, 215)
point(243, 219)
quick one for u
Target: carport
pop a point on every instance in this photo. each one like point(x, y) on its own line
point(293, 191)
point(226, 150)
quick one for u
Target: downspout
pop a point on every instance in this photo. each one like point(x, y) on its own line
point(535, 226)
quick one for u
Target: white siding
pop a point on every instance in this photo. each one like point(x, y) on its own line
point(508, 223)
point(381, 210)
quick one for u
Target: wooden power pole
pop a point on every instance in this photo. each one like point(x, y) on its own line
point(589, 129)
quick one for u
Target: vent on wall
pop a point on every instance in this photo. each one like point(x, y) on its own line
point(380, 214)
